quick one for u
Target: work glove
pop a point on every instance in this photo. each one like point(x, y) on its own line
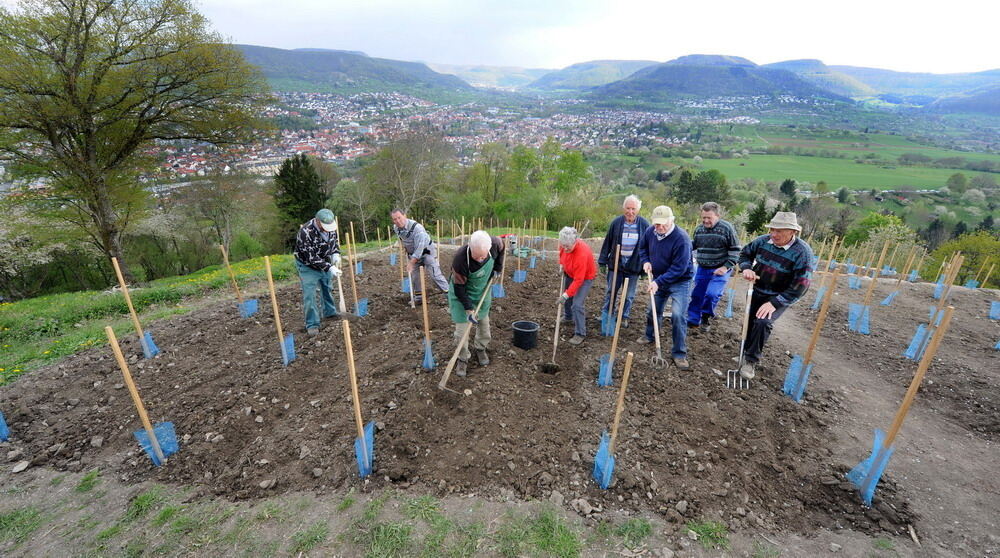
point(471, 317)
point(495, 275)
point(336, 271)
point(335, 260)
point(564, 296)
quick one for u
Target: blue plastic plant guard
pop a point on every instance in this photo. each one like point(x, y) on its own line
point(288, 349)
point(359, 268)
point(428, 363)
point(851, 268)
point(364, 451)
point(914, 347)
point(165, 436)
point(819, 298)
point(149, 348)
point(858, 318)
point(4, 431)
point(938, 290)
point(913, 276)
point(362, 307)
point(971, 284)
point(888, 299)
point(931, 313)
point(248, 307)
point(995, 310)
point(796, 379)
point(520, 275)
point(854, 282)
point(832, 265)
point(498, 291)
point(393, 258)
point(866, 474)
point(405, 286)
point(729, 304)
point(997, 347)
point(605, 370)
point(532, 262)
point(604, 463)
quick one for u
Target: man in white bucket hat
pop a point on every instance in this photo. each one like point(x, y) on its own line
point(780, 265)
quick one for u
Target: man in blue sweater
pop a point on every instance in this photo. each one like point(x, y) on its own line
point(665, 251)
point(716, 248)
point(780, 266)
point(625, 231)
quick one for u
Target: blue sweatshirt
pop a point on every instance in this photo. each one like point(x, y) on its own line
point(670, 257)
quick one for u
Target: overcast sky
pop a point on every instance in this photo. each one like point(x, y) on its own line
point(940, 37)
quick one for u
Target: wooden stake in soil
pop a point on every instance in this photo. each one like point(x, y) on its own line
point(232, 276)
point(799, 369)
point(149, 348)
point(134, 392)
point(364, 461)
point(350, 264)
point(878, 266)
point(274, 301)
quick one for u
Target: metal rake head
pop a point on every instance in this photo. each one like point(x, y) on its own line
point(735, 381)
point(658, 361)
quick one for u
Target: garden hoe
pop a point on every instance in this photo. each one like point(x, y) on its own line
point(733, 378)
point(604, 461)
point(552, 367)
point(158, 442)
point(658, 360)
point(247, 307)
point(443, 384)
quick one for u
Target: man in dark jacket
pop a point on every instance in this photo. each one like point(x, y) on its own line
point(780, 265)
point(625, 231)
point(665, 251)
point(317, 258)
point(716, 248)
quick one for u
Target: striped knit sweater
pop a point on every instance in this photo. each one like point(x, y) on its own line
point(784, 274)
point(717, 246)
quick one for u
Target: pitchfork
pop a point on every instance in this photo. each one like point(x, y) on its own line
point(733, 378)
point(658, 360)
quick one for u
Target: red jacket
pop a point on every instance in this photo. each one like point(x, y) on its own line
point(578, 264)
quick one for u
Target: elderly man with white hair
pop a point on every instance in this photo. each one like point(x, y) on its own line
point(579, 271)
point(625, 231)
point(666, 255)
point(472, 268)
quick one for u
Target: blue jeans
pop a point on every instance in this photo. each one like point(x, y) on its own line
point(573, 306)
point(680, 293)
point(708, 289)
point(312, 279)
point(609, 306)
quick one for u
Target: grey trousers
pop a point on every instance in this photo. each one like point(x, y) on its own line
point(479, 338)
point(573, 307)
point(432, 269)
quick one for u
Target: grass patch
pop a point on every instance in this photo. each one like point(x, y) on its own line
point(765, 550)
point(19, 524)
point(89, 481)
point(373, 509)
point(270, 511)
point(166, 515)
point(549, 533)
point(385, 540)
point(634, 531)
point(345, 504)
point(304, 541)
point(711, 534)
point(466, 543)
point(512, 537)
point(110, 532)
point(425, 507)
point(141, 505)
point(57, 480)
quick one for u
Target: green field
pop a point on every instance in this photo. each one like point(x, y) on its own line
point(836, 172)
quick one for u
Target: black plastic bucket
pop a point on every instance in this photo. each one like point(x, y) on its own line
point(525, 334)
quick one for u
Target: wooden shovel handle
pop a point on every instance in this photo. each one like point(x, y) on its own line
point(128, 298)
point(134, 392)
point(274, 301)
point(465, 337)
point(232, 276)
point(620, 406)
point(352, 373)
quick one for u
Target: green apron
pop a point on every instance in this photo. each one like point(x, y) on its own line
point(475, 285)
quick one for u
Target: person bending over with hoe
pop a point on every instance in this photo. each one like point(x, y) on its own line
point(420, 251)
point(665, 251)
point(579, 271)
point(716, 249)
point(625, 231)
point(472, 268)
point(780, 266)
point(317, 258)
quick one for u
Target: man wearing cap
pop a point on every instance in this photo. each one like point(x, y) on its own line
point(716, 248)
point(780, 266)
point(625, 231)
point(317, 257)
point(420, 251)
point(473, 267)
point(665, 252)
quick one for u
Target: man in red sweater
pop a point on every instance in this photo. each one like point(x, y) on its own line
point(579, 271)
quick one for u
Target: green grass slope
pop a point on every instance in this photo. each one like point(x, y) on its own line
point(821, 75)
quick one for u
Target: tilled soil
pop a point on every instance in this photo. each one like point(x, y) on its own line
point(687, 447)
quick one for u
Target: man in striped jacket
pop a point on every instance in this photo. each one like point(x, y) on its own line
point(716, 250)
point(780, 266)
